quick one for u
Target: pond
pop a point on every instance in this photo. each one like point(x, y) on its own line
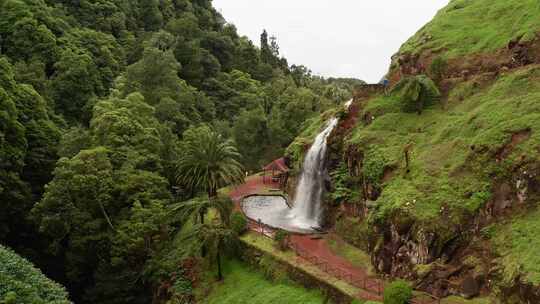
point(274, 211)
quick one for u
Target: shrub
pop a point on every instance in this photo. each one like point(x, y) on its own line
point(438, 67)
point(239, 223)
point(21, 282)
point(281, 239)
point(273, 270)
point(415, 93)
point(397, 292)
point(373, 166)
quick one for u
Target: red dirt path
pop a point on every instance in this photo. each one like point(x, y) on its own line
point(320, 249)
point(253, 185)
point(315, 249)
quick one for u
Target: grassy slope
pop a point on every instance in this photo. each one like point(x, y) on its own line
point(352, 254)
point(445, 171)
point(477, 26)
point(453, 165)
point(268, 247)
point(25, 283)
point(518, 244)
point(242, 285)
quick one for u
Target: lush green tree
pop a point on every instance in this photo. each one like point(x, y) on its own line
point(74, 85)
point(199, 206)
point(232, 92)
point(397, 292)
point(185, 26)
point(251, 134)
point(106, 53)
point(110, 87)
point(221, 46)
point(239, 223)
point(29, 138)
point(32, 40)
point(78, 206)
point(437, 68)
point(128, 127)
point(217, 238)
point(208, 162)
point(13, 191)
point(150, 14)
point(266, 52)
point(21, 282)
point(155, 75)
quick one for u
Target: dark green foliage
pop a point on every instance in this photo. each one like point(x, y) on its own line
point(208, 162)
point(21, 282)
point(74, 84)
point(397, 292)
point(438, 67)
point(103, 104)
point(415, 93)
point(282, 239)
point(344, 186)
point(373, 166)
point(28, 141)
point(239, 223)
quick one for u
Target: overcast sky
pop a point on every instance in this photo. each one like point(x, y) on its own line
point(345, 38)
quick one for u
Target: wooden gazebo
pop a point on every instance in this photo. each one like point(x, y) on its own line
point(279, 172)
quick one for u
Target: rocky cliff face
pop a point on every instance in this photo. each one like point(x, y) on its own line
point(449, 197)
point(451, 175)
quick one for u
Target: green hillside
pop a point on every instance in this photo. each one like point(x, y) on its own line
point(21, 282)
point(466, 27)
point(444, 174)
point(242, 285)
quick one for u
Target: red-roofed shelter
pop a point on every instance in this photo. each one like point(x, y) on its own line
point(279, 172)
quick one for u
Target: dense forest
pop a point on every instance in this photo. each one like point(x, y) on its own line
point(104, 106)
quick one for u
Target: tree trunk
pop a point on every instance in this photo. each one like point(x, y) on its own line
point(212, 193)
point(407, 160)
point(201, 217)
point(218, 257)
point(106, 216)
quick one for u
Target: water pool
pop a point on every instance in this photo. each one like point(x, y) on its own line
point(274, 211)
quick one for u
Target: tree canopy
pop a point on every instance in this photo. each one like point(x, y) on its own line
point(113, 111)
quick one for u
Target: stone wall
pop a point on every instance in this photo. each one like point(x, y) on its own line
point(253, 257)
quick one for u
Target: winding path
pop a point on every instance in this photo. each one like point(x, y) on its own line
point(317, 250)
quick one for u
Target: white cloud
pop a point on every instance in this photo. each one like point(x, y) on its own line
point(349, 38)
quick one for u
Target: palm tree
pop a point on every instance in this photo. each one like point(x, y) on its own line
point(200, 205)
point(216, 237)
point(208, 162)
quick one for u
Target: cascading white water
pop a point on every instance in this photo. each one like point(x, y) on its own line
point(306, 211)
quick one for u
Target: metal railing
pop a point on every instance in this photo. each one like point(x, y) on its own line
point(371, 285)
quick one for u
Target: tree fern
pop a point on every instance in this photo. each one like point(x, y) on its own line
point(415, 93)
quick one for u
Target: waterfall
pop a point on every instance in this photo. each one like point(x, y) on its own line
point(306, 214)
point(307, 208)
